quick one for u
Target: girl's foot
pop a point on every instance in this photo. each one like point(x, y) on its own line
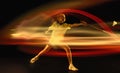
point(73, 68)
point(34, 59)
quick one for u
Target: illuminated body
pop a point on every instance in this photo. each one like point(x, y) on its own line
point(58, 32)
point(59, 29)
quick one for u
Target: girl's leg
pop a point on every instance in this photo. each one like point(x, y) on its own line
point(46, 49)
point(69, 56)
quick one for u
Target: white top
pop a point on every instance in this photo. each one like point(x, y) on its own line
point(58, 32)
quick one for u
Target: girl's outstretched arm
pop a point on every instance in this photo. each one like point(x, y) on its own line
point(81, 23)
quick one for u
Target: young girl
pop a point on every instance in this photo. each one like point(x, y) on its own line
point(59, 29)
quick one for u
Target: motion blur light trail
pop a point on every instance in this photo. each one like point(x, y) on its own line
point(73, 41)
point(31, 34)
point(80, 51)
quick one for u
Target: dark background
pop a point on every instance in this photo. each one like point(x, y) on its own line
point(14, 61)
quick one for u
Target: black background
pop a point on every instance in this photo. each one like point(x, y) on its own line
point(14, 61)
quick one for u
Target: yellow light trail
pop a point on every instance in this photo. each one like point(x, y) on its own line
point(74, 41)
